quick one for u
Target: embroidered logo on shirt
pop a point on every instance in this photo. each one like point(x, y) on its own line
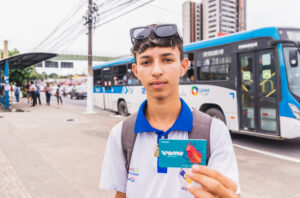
point(133, 174)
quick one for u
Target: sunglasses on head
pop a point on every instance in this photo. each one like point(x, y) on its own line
point(165, 30)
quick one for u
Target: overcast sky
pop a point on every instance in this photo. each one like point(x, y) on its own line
point(26, 23)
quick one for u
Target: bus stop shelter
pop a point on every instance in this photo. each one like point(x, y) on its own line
point(19, 61)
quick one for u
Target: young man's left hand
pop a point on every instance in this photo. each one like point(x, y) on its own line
point(213, 184)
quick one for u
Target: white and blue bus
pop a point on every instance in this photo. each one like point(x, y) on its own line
point(250, 80)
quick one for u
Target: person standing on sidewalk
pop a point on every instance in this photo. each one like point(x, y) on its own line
point(28, 93)
point(33, 93)
point(17, 93)
point(48, 91)
point(12, 90)
point(159, 64)
point(58, 94)
point(38, 92)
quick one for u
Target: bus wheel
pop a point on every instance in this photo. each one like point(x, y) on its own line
point(122, 108)
point(216, 113)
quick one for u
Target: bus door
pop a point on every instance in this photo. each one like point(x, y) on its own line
point(259, 109)
point(98, 86)
point(107, 78)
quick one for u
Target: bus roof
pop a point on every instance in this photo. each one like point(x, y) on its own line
point(115, 62)
point(239, 36)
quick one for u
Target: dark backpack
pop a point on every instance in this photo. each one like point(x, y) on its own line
point(201, 130)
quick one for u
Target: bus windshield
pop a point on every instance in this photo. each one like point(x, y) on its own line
point(293, 73)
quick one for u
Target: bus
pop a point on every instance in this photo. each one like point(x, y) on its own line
point(250, 80)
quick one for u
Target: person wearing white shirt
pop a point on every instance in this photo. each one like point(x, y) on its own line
point(159, 64)
point(33, 93)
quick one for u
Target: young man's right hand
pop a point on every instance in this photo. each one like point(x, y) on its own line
point(213, 184)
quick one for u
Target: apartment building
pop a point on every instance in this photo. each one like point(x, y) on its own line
point(192, 23)
point(216, 18)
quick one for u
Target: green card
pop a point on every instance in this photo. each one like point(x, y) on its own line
point(181, 153)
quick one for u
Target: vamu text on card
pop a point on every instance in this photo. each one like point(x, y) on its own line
point(182, 153)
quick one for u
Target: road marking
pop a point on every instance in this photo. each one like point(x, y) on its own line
point(292, 159)
point(10, 183)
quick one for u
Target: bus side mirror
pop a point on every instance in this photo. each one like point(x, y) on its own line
point(293, 58)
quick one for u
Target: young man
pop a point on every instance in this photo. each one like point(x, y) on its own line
point(158, 53)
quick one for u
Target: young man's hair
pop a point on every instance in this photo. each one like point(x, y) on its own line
point(141, 45)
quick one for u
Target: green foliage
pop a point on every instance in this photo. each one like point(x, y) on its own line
point(21, 76)
point(53, 75)
point(13, 52)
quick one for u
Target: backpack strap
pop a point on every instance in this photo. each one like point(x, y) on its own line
point(201, 129)
point(128, 138)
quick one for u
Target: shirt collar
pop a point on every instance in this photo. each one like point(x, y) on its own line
point(184, 121)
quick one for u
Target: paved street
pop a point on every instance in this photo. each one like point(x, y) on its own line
point(57, 151)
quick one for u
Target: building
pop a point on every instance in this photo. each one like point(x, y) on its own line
point(215, 18)
point(64, 65)
point(192, 23)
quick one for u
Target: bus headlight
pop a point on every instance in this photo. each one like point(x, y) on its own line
point(295, 111)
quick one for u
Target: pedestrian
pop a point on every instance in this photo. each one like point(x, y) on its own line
point(64, 91)
point(11, 91)
point(38, 92)
point(17, 93)
point(28, 93)
point(134, 171)
point(58, 94)
point(48, 91)
point(33, 93)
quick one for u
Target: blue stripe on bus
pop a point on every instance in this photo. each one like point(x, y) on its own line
point(115, 62)
point(98, 89)
point(263, 32)
point(113, 89)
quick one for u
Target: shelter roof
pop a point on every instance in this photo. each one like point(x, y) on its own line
point(22, 61)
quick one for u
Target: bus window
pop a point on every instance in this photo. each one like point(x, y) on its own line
point(118, 74)
point(98, 77)
point(107, 77)
point(267, 91)
point(267, 75)
point(214, 68)
point(132, 79)
point(189, 75)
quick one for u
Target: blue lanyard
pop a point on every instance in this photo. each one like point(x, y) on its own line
point(161, 135)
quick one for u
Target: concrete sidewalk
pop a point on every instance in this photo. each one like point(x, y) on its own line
point(52, 151)
point(56, 151)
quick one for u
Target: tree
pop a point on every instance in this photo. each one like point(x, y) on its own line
point(21, 76)
point(44, 76)
point(13, 52)
point(53, 75)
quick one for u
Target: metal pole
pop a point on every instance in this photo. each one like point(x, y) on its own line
point(6, 82)
point(90, 105)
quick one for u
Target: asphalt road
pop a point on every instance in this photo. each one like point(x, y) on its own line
point(74, 101)
point(288, 148)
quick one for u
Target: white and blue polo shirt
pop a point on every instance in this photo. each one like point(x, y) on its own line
point(145, 179)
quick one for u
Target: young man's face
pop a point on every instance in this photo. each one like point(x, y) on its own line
point(159, 69)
